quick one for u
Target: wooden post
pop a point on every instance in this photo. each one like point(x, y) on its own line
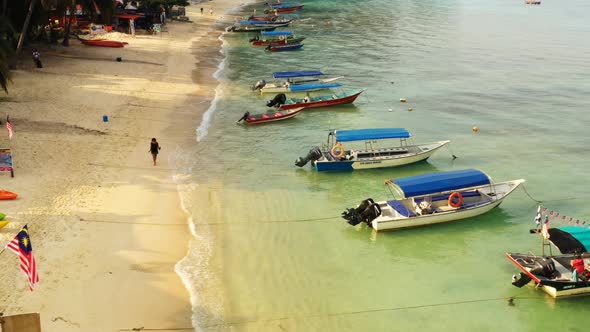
point(21, 39)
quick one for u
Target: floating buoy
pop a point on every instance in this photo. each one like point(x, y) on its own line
point(403, 100)
point(391, 109)
point(475, 129)
point(410, 109)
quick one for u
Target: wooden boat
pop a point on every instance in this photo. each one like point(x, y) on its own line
point(269, 117)
point(288, 10)
point(296, 81)
point(104, 43)
point(265, 23)
point(554, 274)
point(431, 199)
point(364, 150)
point(4, 223)
point(254, 28)
point(275, 38)
point(532, 2)
point(7, 195)
point(320, 101)
point(282, 7)
point(283, 48)
point(272, 17)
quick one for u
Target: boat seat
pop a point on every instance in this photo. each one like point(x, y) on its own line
point(401, 208)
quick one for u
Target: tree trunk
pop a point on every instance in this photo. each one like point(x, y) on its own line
point(66, 41)
point(21, 38)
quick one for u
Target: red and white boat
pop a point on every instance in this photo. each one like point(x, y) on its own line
point(269, 117)
point(347, 97)
point(104, 43)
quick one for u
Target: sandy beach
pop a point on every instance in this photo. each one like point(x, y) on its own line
point(107, 227)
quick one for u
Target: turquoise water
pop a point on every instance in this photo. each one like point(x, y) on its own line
point(271, 252)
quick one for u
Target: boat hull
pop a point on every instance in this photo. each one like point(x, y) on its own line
point(277, 42)
point(392, 221)
point(271, 117)
point(324, 103)
point(426, 150)
point(104, 43)
point(285, 48)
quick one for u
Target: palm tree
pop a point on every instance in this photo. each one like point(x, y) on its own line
point(6, 51)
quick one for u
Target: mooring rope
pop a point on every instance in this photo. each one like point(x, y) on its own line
point(207, 224)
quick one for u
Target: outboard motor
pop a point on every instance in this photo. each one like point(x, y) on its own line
point(244, 117)
point(259, 85)
point(277, 101)
point(520, 281)
point(544, 267)
point(366, 211)
point(313, 155)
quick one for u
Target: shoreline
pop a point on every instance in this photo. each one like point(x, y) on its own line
point(107, 228)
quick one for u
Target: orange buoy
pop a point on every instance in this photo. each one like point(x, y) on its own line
point(475, 129)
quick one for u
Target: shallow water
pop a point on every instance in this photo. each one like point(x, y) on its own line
point(272, 252)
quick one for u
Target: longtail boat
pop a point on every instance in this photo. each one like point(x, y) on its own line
point(283, 47)
point(287, 10)
point(263, 23)
point(432, 198)
point(272, 17)
point(320, 101)
point(269, 117)
point(275, 38)
point(254, 28)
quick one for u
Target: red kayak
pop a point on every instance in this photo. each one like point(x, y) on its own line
point(4, 195)
point(269, 117)
point(104, 43)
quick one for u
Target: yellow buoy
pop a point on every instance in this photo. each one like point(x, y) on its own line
point(403, 100)
point(475, 129)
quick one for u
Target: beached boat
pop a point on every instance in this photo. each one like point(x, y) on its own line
point(297, 81)
point(283, 48)
point(368, 148)
point(254, 28)
point(3, 223)
point(431, 199)
point(104, 43)
point(275, 38)
point(346, 97)
point(554, 274)
point(7, 195)
point(269, 117)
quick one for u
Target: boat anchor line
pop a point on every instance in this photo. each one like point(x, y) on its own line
point(509, 300)
point(205, 224)
point(550, 200)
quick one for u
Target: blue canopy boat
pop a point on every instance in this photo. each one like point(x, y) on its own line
point(557, 275)
point(368, 148)
point(432, 198)
point(296, 81)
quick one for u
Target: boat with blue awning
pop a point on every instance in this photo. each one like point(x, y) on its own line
point(348, 150)
point(297, 81)
point(561, 275)
point(432, 198)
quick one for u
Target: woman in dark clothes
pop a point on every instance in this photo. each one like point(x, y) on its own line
point(154, 149)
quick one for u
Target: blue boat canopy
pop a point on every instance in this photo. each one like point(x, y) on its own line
point(299, 73)
point(432, 183)
point(313, 86)
point(570, 239)
point(276, 33)
point(370, 134)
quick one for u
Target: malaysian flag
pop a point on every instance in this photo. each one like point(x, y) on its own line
point(538, 216)
point(9, 127)
point(21, 245)
point(545, 228)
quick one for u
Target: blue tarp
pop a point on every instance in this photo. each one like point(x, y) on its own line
point(370, 134)
point(276, 33)
point(441, 181)
point(313, 86)
point(300, 73)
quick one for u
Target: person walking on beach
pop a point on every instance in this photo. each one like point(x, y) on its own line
point(201, 10)
point(37, 58)
point(154, 149)
point(211, 11)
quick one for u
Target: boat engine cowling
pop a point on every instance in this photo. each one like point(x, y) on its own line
point(366, 211)
point(277, 101)
point(259, 85)
point(314, 154)
point(544, 267)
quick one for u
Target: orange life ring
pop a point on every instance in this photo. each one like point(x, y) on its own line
point(452, 197)
point(337, 150)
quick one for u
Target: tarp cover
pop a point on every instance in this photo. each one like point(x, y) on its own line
point(300, 73)
point(441, 181)
point(276, 33)
point(313, 86)
point(370, 134)
point(570, 239)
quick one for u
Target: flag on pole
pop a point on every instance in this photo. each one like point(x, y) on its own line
point(538, 216)
point(9, 127)
point(21, 245)
point(545, 228)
